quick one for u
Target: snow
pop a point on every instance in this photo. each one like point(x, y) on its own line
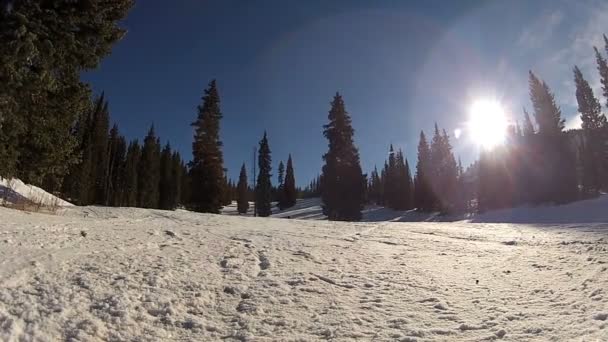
point(15, 191)
point(124, 274)
point(587, 211)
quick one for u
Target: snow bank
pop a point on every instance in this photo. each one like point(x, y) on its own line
point(14, 191)
point(587, 211)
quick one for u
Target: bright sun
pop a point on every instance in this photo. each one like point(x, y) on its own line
point(487, 123)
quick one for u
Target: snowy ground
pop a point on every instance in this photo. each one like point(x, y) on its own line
point(93, 274)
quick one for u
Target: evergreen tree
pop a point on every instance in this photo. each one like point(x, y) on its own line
point(594, 131)
point(263, 189)
point(391, 190)
point(528, 129)
point(176, 176)
point(409, 187)
point(423, 192)
point(602, 67)
point(280, 190)
point(131, 173)
point(43, 56)
point(116, 164)
point(242, 203)
point(557, 183)
point(186, 186)
point(227, 192)
point(207, 166)
point(289, 186)
point(343, 183)
point(166, 183)
point(149, 172)
point(99, 150)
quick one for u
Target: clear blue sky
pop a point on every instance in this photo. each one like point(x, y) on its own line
point(400, 65)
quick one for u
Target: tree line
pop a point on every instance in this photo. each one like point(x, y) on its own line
point(55, 134)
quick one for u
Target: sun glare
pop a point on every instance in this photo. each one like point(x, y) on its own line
point(487, 124)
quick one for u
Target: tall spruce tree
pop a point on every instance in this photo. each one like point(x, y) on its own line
point(602, 67)
point(557, 183)
point(343, 183)
point(176, 177)
point(290, 192)
point(242, 202)
point(149, 172)
point(263, 189)
point(280, 190)
point(207, 165)
point(117, 149)
point(423, 193)
point(594, 130)
point(166, 183)
point(45, 47)
point(131, 174)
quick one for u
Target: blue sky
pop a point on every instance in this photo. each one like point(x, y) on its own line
point(400, 65)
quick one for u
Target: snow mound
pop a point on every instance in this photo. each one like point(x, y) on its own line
point(15, 191)
point(587, 211)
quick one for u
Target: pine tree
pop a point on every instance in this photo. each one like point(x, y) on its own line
point(602, 67)
point(186, 186)
point(290, 192)
point(242, 203)
point(391, 192)
point(280, 190)
point(207, 166)
point(343, 183)
point(263, 189)
point(409, 187)
point(131, 173)
point(44, 57)
point(528, 129)
point(149, 172)
point(557, 183)
point(423, 192)
point(117, 149)
point(166, 184)
point(594, 131)
point(177, 175)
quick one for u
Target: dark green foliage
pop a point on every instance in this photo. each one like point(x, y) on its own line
point(206, 168)
point(186, 185)
point(342, 181)
point(263, 189)
point(424, 198)
point(149, 172)
point(593, 154)
point(557, 183)
point(228, 192)
point(131, 175)
point(279, 192)
point(444, 172)
point(177, 173)
point(602, 67)
point(115, 188)
point(242, 202)
point(167, 184)
point(394, 188)
point(45, 47)
point(374, 188)
point(289, 187)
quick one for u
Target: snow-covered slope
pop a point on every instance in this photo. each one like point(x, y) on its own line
point(14, 191)
point(589, 211)
point(147, 275)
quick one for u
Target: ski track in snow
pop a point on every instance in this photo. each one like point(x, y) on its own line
point(149, 275)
